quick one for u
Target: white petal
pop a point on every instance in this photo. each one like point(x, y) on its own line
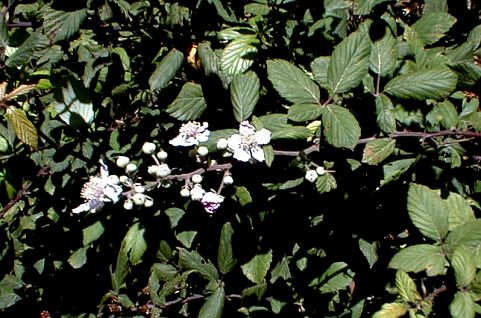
point(234, 141)
point(246, 129)
point(180, 141)
point(242, 155)
point(112, 192)
point(263, 137)
point(204, 136)
point(82, 208)
point(104, 170)
point(258, 153)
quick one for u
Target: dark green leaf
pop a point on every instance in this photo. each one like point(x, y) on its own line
point(326, 183)
point(189, 104)
point(256, 269)
point(225, 255)
point(174, 214)
point(393, 170)
point(73, 103)
point(214, 305)
point(25, 52)
point(61, 25)
point(186, 238)
point(467, 235)
point(166, 70)
point(194, 261)
point(369, 250)
point(432, 27)
point(363, 7)
point(460, 211)
point(281, 270)
point(340, 127)
point(464, 267)
point(292, 132)
point(304, 112)
point(338, 276)
point(444, 114)
point(3, 31)
point(384, 54)
point(243, 195)
point(244, 90)
point(377, 150)
point(8, 298)
point(134, 244)
point(319, 68)
point(420, 257)
point(385, 117)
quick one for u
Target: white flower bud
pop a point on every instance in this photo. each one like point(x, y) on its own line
point(197, 193)
point(320, 171)
point(138, 188)
point(122, 161)
point(228, 180)
point(128, 204)
point(162, 155)
point(148, 202)
point(153, 169)
point(222, 144)
point(202, 151)
point(184, 192)
point(131, 167)
point(148, 148)
point(124, 180)
point(163, 171)
point(138, 199)
point(311, 175)
point(114, 179)
point(196, 178)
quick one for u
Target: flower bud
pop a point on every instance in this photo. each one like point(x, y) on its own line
point(202, 151)
point(138, 199)
point(114, 179)
point(196, 178)
point(122, 161)
point(138, 188)
point(162, 155)
point(184, 192)
point(128, 204)
point(311, 175)
point(153, 169)
point(197, 193)
point(148, 202)
point(148, 148)
point(131, 167)
point(124, 180)
point(163, 171)
point(320, 171)
point(222, 144)
point(228, 180)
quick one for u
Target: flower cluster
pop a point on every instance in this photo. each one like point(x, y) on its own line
point(246, 145)
point(190, 134)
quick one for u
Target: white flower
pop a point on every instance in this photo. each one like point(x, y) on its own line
point(197, 193)
point(246, 144)
point(163, 171)
point(191, 133)
point(148, 148)
point(311, 175)
point(99, 190)
point(211, 201)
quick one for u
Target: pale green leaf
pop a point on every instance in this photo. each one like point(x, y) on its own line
point(406, 287)
point(459, 210)
point(258, 290)
point(244, 91)
point(273, 122)
point(60, 25)
point(134, 244)
point(186, 238)
point(24, 129)
point(229, 34)
point(357, 309)
point(377, 150)
point(256, 269)
point(340, 127)
point(432, 27)
point(364, 7)
point(349, 63)
point(383, 56)
point(423, 84)
point(464, 267)
point(428, 212)
point(189, 104)
point(417, 258)
point(326, 183)
point(268, 155)
point(277, 305)
point(384, 114)
point(319, 68)
point(92, 232)
point(462, 305)
point(467, 235)
point(8, 298)
point(214, 305)
point(431, 6)
point(239, 55)
point(191, 260)
point(225, 255)
point(393, 170)
point(174, 214)
point(291, 132)
point(391, 310)
point(304, 112)
point(243, 195)
point(72, 103)
point(292, 83)
point(281, 270)
point(337, 276)
point(25, 52)
point(166, 70)
point(369, 250)
point(78, 258)
point(443, 114)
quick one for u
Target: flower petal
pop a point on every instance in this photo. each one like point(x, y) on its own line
point(242, 155)
point(258, 153)
point(84, 207)
point(263, 136)
point(246, 129)
point(234, 141)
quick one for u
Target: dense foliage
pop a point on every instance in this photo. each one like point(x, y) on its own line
point(251, 158)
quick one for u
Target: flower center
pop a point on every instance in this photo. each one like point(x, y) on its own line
point(94, 188)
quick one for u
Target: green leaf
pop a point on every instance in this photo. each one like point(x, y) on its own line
point(462, 305)
point(338, 276)
point(8, 298)
point(428, 212)
point(256, 269)
point(186, 238)
point(391, 310)
point(292, 83)
point(319, 68)
point(292, 132)
point(4, 38)
point(369, 250)
point(24, 53)
point(123, 56)
point(92, 232)
point(174, 214)
point(349, 63)
point(194, 261)
point(225, 255)
point(277, 305)
point(243, 195)
point(464, 267)
point(423, 84)
point(385, 116)
point(134, 244)
point(394, 170)
point(383, 56)
point(281, 270)
point(244, 90)
point(258, 290)
point(432, 27)
point(467, 235)
point(444, 114)
point(78, 258)
point(406, 287)
point(326, 183)
point(238, 55)
point(460, 211)
point(304, 112)
point(435, 6)
point(268, 155)
point(340, 127)
point(24, 129)
point(417, 258)
point(166, 70)
point(189, 104)
point(214, 305)
point(377, 150)
point(364, 7)
point(61, 25)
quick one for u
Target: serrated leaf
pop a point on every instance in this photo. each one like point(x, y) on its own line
point(349, 63)
point(61, 25)
point(363, 7)
point(20, 90)
point(256, 269)
point(24, 129)
point(369, 250)
point(377, 150)
point(166, 70)
point(462, 305)
point(467, 235)
point(134, 244)
point(432, 27)
point(73, 103)
point(326, 183)
point(384, 114)
point(464, 267)
point(423, 84)
point(338, 276)
point(341, 128)
point(319, 68)
point(428, 212)
point(244, 90)
point(92, 232)
point(459, 209)
point(186, 238)
point(25, 51)
point(191, 260)
point(189, 104)
point(304, 112)
point(417, 258)
point(78, 258)
point(383, 56)
point(225, 255)
point(391, 310)
point(258, 290)
point(406, 287)
point(292, 83)
point(174, 214)
point(393, 170)
point(443, 114)
point(281, 270)
point(123, 56)
point(239, 55)
point(214, 305)
point(8, 298)
point(291, 132)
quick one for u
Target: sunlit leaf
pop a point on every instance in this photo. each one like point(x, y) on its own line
point(92, 232)
point(256, 269)
point(60, 25)
point(377, 150)
point(166, 70)
point(214, 305)
point(304, 112)
point(462, 305)
point(134, 243)
point(391, 310)
point(406, 287)
point(78, 258)
point(244, 90)
point(189, 104)
point(420, 257)
point(24, 129)
point(432, 27)
point(340, 127)
point(239, 55)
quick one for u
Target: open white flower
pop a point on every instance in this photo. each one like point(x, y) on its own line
point(211, 201)
point(191, 133)
point(99, 190)
point(246, 145)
